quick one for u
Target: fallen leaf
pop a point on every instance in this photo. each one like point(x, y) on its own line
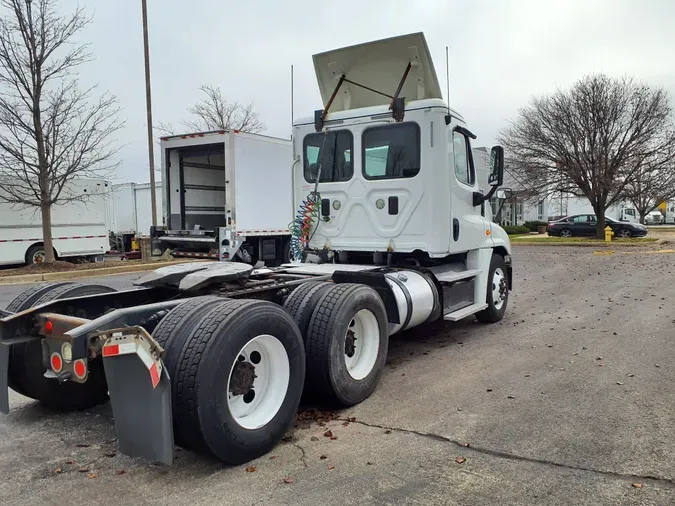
point(657, 365)
point(345, 424)
point(120, 472)
point(619, 383)
point(369, 463)
point(403, 374)
point(313, 438)
point(83, 470)
point(288, 480)
point(273, 457)
point(330, 467)
point(527, 375)
point(637, 485)
point(91, 475)
point(460, 460)
point(510, 397)
point(489, 390)
point(333, 438)
point(69, 462)
point(328, 433)
point(57, 470)
point(82, 445)
point(468, 445)
point(549, 345)
point(352, 419)
point(630, 375)
point(387, 431)
point(598, 358)
point(601, 365)
point(323, 457)
point(250, 469)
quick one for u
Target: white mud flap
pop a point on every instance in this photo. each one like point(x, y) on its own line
point(140, 394)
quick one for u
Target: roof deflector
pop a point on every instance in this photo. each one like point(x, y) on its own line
point(387, 71)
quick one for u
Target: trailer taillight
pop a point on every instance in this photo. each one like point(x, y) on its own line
point(56, 362)
point(80, 369)
point(49, 327)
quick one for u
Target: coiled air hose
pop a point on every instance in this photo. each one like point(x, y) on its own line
point(307, 213)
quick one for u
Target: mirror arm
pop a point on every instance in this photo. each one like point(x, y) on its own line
point(479, 198)
point(498, 217)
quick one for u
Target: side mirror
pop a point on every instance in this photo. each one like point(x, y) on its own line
point(496, 177)
point(504, 193)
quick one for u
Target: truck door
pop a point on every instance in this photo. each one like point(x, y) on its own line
point(467, 226)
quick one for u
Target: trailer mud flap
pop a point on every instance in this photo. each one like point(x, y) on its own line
point(140, 395)
point(4, 378)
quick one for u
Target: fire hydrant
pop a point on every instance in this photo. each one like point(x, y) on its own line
point(608, 234)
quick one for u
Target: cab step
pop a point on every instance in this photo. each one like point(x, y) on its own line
point(449, 274)
point(460, 314)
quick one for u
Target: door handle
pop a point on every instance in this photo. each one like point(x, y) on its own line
point(455, 229)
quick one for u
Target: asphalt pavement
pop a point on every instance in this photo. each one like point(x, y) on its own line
point(569, 400)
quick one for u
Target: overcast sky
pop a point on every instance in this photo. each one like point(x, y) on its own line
point(501, 53)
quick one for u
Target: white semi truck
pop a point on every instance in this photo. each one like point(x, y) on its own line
point(79, 229)
point(390, 234)
point(227, 195)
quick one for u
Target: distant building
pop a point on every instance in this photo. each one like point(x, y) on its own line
point(519, 208)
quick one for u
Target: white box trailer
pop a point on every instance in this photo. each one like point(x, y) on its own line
point(79, 228)
point(227, 194)
point(129, 212)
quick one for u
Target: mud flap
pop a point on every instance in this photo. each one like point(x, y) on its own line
point(140, 394)
point(4, 373)
point(142, 413)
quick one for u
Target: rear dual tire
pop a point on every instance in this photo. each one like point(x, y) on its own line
point(26, 365)
point(237, 370)
point(346, 340)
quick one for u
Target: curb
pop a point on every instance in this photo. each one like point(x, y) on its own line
point(86, 273)
point(595, 244)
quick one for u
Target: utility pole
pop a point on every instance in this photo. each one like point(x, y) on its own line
point(148, 103)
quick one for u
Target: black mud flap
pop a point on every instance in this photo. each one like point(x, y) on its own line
point(4, 373)
point(142, 413)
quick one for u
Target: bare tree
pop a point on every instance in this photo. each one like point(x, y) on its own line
point(50, 130)
point(590, 140)
point(652, 183)
point(214, 112)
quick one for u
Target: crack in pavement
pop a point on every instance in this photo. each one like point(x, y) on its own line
point(302, 457)
point(518, 458)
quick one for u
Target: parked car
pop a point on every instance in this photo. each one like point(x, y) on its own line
point(580, 225)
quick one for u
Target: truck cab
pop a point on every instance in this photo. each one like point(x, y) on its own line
point(397, 172)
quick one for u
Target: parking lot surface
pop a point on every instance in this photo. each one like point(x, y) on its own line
point(569, 400)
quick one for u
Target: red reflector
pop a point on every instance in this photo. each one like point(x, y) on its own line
point(80, 369)
point(111, 351)
point(56, 362)
point(154, 375)
point(49, 326)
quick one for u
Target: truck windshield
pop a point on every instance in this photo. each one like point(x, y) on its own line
point(333, 168)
